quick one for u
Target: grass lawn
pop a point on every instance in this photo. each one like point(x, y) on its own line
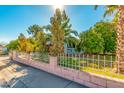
point(107, 72)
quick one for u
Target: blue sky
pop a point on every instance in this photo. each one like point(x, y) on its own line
point(16, 19)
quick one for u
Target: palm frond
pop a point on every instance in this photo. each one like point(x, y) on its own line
point(110, 9)
point(74, 32)
point(95, 7)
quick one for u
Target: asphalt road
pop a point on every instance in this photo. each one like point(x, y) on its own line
point(16, 75)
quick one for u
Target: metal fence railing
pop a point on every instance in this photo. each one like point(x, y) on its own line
point(98, 64)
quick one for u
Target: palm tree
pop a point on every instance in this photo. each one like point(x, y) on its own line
point(38, 34)
point(119, 15)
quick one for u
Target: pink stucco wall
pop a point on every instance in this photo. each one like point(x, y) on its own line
point(85, 78)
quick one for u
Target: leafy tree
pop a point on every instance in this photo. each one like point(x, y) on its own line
point(39, 36)
point(91, 42)
point(31, 45)
point(22, 43)
point(61, 31)
point(104, 30)
point(108, 33)
point(13, 45)
point(34, 30)
point(26, 44)
point(72, 41)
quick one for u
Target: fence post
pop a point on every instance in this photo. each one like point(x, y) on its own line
point(28, 57)
point(14, 55)
point(11, 55)
point(53, 63)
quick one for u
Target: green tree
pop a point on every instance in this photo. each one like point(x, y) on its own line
point(31, 45)
point(104, 30)
point(108, 33)
point(91, 42)
point(22, 43)
point(13, 45)
point(39, 36)
point(26, 44)
point(61, 31)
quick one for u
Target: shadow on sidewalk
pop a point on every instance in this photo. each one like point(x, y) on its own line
point(34, 78)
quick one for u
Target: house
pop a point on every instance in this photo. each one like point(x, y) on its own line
point(1, 47)
point(70, 50)
point(3, 50)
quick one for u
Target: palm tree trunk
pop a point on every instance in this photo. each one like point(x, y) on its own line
point(120, 41)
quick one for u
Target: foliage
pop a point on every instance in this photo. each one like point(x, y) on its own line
point(91, 42)
point(13, 45)
point(38, 56)
point(108, 33)
point(110, 10)
point(72, 41)
point(98, 39)
point(41, 38)
point(31, 45)
point(69, 62)
point(61, 31)
point(101, 38)
point(22, 42)
point(26, 44)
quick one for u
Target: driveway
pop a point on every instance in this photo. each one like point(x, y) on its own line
point(16, 75)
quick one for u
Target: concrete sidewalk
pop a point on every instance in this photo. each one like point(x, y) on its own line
point(18, 75)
